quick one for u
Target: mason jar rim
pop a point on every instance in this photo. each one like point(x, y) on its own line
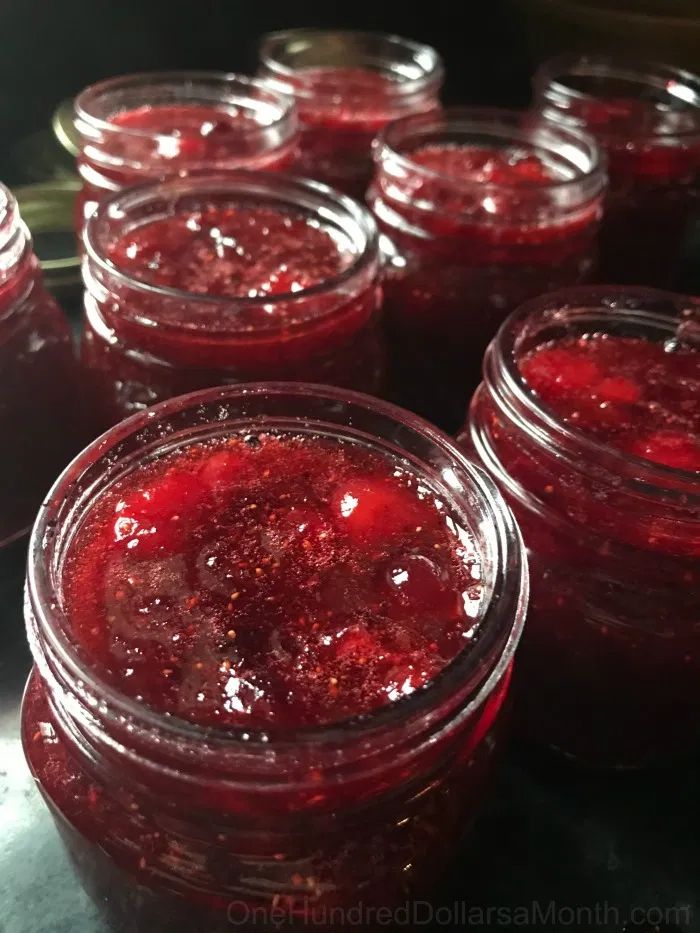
point(228, 83)
point(616, 305)
point(550, 85)
point(501, 623)
point(494, 120)
point(242, 182)
point(432, 66)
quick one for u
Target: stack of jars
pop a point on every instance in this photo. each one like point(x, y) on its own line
point(330, 223)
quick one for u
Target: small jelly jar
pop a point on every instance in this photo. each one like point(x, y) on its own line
point(147, 126)
point(39, 417)
point(173, 827)
point(145, 342)
point(348, 85)
point(465, 246)
point(647, 118)
point(609, 670)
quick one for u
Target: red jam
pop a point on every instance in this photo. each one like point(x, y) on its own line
point(291, 635)
point(601, 461)
point(128, 136)
point(38, 414)
point(237, 290)
point(231, 252)
point(640, 397)
point(209, 587)
point(342, 106)
point(476, 229)
point(649, 126)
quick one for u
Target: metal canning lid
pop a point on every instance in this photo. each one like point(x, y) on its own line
point(64, 127)
point(47, 209)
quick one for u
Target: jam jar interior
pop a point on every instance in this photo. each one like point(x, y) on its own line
point(142, 126)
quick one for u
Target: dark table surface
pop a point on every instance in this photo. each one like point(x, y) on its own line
point(555, 850)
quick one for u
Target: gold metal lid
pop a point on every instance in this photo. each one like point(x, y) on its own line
point(48, 209)
point(64, 127)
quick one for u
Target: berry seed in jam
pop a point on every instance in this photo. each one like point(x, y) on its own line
point(640, 397)
point(287, 581)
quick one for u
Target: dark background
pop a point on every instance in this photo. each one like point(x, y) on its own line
point(53, 48)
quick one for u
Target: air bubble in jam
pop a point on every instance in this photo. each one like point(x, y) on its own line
point(289, 581)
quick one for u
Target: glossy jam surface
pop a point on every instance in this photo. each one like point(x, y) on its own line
point(476, 230)
point(321, 324)
point(271, 580)
point(39, 415)
point(613, 548)
point(237, 252)
point(640, 397)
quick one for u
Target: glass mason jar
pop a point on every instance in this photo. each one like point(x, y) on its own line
point(462, 254)
point(609, 670)
point(348, 85)
point(175, 827)
point(39, 417)
point(144, 343)
point(146, 126)
point(647, 118)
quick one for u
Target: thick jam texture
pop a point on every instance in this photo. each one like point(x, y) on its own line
point(475, 231)
point(266, 581)
point(341, 111)
point(316, 327)
point(39, 414)
point(640, 397)
point(149, 142)
point(610, 661)
point(210, 587)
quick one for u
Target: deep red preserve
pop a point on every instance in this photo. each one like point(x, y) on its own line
point(647, 119)
point(290, 629)
point(229, 288)
point(39, 416)
point(141, 127)
point(476, 227)
point(211, 587)
point(599, 452)
point(347, 87)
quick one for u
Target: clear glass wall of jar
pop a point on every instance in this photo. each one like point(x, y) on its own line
point(465, 249)
point(349, 85)
point(39, 417)
point(146, 126)
point(610, 665)
point(144, 342)
point(173, 827)
point(647, 118)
